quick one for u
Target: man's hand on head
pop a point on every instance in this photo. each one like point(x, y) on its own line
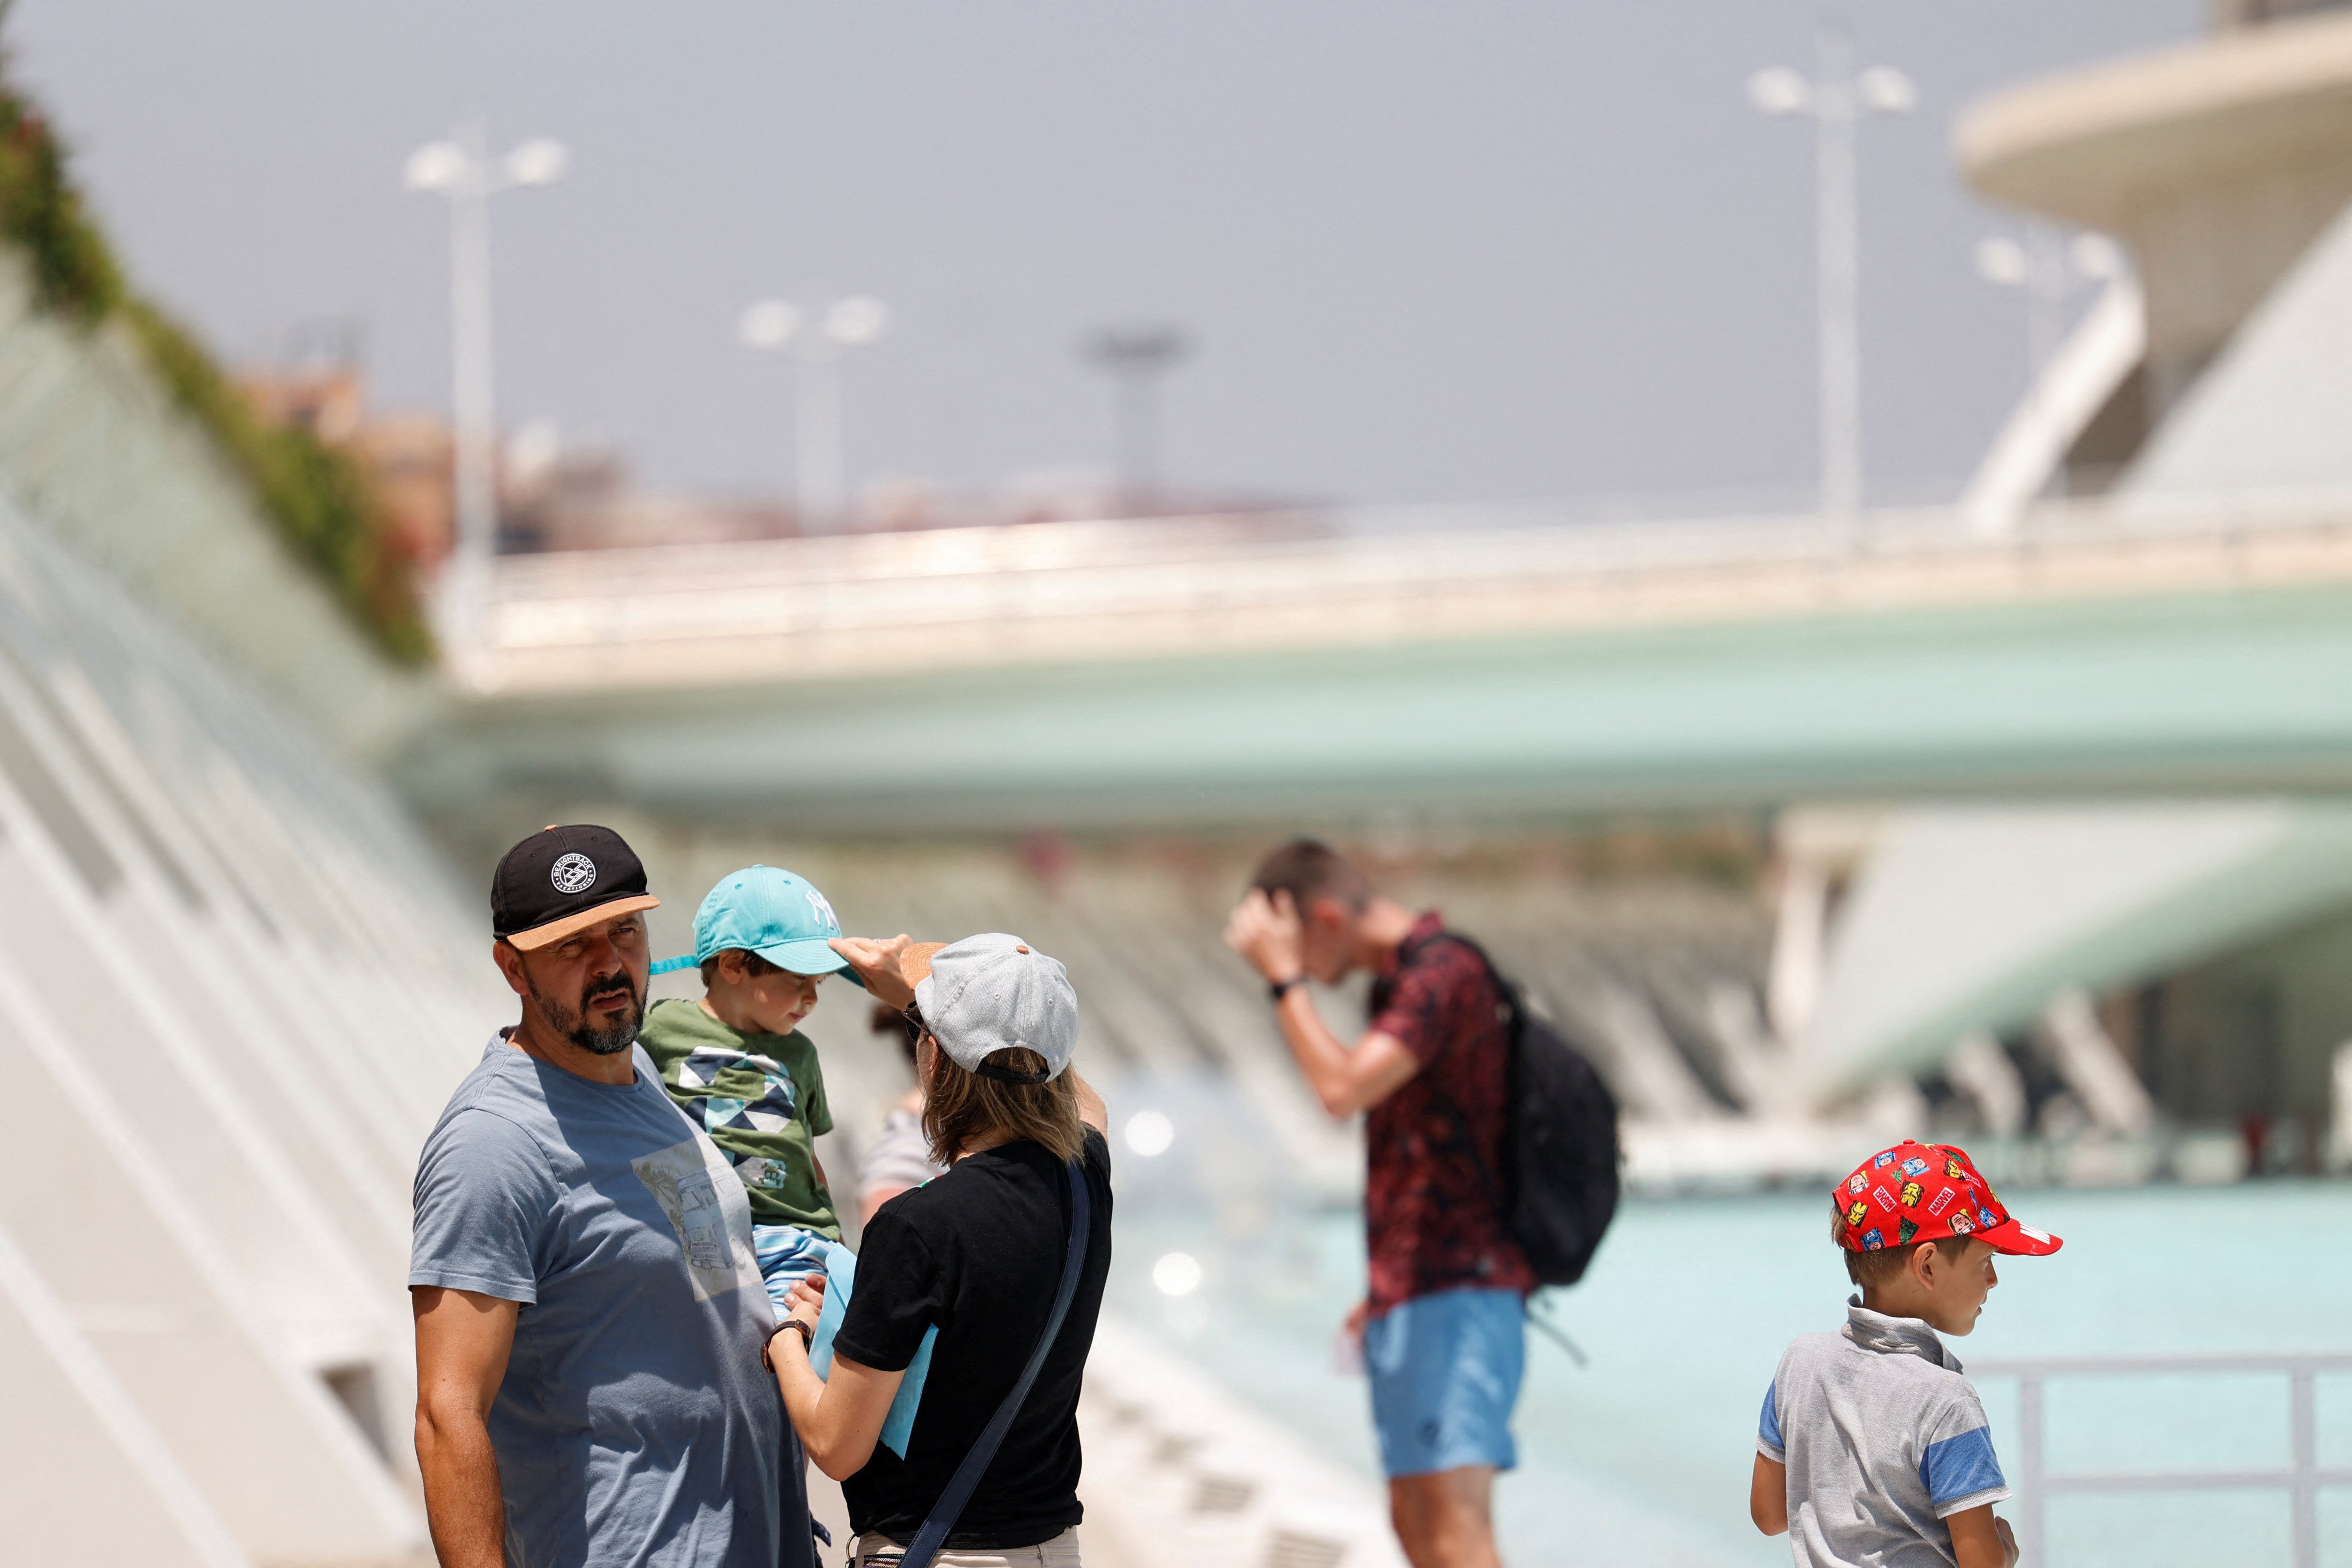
point(876, 960)
point(1266, 931)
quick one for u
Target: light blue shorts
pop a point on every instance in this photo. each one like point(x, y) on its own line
point(787, 1255)
point(1444, 1371)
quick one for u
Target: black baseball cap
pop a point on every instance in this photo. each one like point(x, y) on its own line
point(564, 879)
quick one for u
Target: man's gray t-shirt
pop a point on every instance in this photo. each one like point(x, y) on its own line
point(634, 1424)
point(1883, 1439)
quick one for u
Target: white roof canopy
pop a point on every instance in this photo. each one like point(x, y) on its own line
point(1975, 916)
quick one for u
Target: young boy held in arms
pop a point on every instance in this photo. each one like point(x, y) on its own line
point(1873, 1447)
point(737, 1063)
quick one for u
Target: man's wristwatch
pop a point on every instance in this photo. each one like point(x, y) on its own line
point(1278, 989)
point(808, 1339)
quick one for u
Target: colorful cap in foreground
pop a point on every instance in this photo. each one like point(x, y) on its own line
point(1925, 1191)
point(994, 993)
point(565, 880)
point(771, 913)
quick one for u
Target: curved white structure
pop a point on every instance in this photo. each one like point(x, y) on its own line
point(235, 991)
point(232, 998)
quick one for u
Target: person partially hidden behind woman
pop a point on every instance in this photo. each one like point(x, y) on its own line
point(978, 1255)
point(900, 1154)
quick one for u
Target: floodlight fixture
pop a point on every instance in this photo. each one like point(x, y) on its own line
point(1145, 350)
point(769, 324)
point(1137, 357)
point(1779, 91)
point(436, 167)
point(857, 320)
point(1885, 91)
point(2047, 268)
point(2001, 259)
point(539, 162)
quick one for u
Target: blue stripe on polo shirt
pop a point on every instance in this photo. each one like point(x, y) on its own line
point(1960, 1466)
point(1769, 1429)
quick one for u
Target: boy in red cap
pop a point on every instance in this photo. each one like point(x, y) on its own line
point(1873, 1447)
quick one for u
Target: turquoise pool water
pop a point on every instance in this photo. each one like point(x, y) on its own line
point(1643, 1457)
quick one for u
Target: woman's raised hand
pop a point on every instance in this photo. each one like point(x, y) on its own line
point(876, 958)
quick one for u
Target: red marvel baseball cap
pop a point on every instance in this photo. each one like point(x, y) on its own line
point(1925, 1191)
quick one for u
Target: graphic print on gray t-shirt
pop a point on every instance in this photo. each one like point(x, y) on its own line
point(693, 1196)
point(1883, 1439)
point(634, 1396)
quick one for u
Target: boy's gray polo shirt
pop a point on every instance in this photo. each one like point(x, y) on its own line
point(634, 1424)
point(1884, 1439)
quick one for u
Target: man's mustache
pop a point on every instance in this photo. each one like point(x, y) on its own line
point(618, 984)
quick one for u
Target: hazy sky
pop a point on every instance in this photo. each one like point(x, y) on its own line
point(1482, 250)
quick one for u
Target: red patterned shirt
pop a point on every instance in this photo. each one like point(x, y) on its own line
point(1430, 1220)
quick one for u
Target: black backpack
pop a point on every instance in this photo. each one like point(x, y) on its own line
point(1557, 1187)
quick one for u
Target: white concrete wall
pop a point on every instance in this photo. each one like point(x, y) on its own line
point(236, 987)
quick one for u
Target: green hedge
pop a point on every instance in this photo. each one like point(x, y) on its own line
point(322, 499)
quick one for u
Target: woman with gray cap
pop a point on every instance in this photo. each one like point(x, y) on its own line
point(991, 1273)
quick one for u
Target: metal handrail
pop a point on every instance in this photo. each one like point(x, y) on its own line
point(2302, 1477)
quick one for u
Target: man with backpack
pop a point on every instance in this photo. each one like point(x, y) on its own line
point(1443, 1320)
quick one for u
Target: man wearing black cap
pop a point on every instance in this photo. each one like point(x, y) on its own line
point(623, 1418)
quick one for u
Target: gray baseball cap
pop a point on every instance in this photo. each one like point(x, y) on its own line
point(994, 993)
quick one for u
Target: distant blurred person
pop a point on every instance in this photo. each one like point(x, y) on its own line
point(1442, 1320)
point(589, 1311)
point(900, 1154)
point(998, 1266)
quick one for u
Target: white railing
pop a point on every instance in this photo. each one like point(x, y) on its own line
point(805, 608)
point(2302, 1477)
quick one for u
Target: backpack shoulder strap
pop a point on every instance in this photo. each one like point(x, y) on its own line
point(966, 1479)
point(1496, 1196)
point(1505, 988)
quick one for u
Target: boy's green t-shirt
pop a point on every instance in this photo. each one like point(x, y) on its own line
point(761, 1099)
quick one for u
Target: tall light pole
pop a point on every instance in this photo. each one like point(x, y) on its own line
point(818, 339)
point(1837, 97)
point(462, 170)
point(2047, 269)
point(1137, 358)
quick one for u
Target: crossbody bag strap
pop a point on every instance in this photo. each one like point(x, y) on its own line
point(966, 1480)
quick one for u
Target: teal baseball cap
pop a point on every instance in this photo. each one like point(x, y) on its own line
point(769, 911)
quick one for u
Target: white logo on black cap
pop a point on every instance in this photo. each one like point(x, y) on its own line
point(573, 874)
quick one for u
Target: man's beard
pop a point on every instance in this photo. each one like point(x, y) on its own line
point(571, 1023)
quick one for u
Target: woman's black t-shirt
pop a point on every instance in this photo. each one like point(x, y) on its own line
point(978, 1252)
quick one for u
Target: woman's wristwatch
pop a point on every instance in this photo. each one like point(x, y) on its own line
point(1278, 989)
point(808, 1339)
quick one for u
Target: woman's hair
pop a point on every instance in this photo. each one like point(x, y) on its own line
point(962, 1108)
